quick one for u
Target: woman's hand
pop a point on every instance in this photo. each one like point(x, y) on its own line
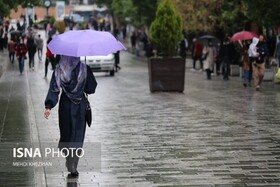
point(47, 113)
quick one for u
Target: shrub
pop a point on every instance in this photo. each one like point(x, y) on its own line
point(166, 29)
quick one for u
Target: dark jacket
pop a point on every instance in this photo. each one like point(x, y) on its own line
point(263, 51)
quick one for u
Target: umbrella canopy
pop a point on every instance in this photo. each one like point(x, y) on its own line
point(204, 38)
point(13, 32)
point(243, 35)
point(208, 37)
point(85, 43)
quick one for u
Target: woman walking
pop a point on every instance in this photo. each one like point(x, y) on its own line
point(208, 56)
point(21, 51)
point(74, 79)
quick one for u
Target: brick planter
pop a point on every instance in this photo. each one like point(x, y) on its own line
point(167, 74)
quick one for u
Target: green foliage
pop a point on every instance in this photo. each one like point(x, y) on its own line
point(108, 3)
point(225, 16)
point(209, 15)
point(123, 9)
point(144, 12)
point(7, 5)
point(265, 13)
point(166, 29)
point(140, 12)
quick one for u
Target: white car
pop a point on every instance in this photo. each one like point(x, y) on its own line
point(101, 63)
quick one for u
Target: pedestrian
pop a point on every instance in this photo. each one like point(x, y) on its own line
point(31, 48)
point(259, 63)
point(278, 51)
point(246, 65)
point(183, 47)
point(49, 59)
point(21, 50)
point(1, 44)
point(117, 61)
point(197, 54)
point(227, 56)
point(39, 44)
point(208, 55)
point(150, 49)
point(19, 28)
point(76, 80)
point(12, 50)
point(218, 60)
point(5, 40)
point(133, 39)
point(124, 31)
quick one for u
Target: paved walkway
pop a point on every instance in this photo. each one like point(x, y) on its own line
point(214, 134)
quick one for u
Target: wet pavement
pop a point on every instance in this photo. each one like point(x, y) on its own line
point(216, 133)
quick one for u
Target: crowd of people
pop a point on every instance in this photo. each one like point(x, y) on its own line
point(215, 57)
point(21, 43)
point(251, 55)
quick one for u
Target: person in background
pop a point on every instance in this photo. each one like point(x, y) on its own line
point(133, 39)
point(31, 48)
point(12, 50)
point(39, 44)
point(218, 59)
point(21, 50)
point(208, 54)
point(259, 64)
point(183, 47)
point(278, 51)
point(227, 56)
point(49, 58)
point(197, 54)
point(246, 65)
point(5, 40)
point(117, 61)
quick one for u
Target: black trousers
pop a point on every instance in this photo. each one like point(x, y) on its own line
point(194, 62)
point(225, 69)
point(46, 66)
point(208, 74)
point(12, 57)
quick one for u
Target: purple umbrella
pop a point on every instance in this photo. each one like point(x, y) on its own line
point(85, 43)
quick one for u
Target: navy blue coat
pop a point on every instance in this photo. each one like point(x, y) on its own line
point(71, 116)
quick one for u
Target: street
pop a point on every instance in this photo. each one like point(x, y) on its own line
point(216, 133)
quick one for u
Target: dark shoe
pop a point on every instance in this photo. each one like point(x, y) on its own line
point(73, 174)
point(257, 88)
point(245, 85)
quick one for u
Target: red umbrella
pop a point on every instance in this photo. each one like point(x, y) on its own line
point(243, 35)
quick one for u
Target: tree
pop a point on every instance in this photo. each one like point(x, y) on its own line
point(145, 11)
point(166, 29)
point(123, 9)
point(220, 16)
point(7, 5)
point(140, 12)
point(264, 13)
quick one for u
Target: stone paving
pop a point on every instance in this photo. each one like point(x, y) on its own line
point(215, 134)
